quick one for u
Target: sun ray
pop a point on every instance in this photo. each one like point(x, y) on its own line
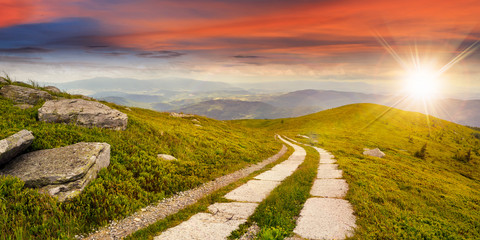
point(385, 112)
point(423, 79)
point(465, 53)
point(390, 50)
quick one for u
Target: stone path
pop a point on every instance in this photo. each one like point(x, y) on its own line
point(224, 218)
point(326, 215)
point(169, 206)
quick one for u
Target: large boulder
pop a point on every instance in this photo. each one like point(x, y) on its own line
point(24, 94)
point(11, 146)
point(52, 89)
point(62, 172)
point(83, 113)
point(373, 152)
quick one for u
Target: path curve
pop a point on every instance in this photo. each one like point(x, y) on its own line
point(169, 206)
point(224, 218)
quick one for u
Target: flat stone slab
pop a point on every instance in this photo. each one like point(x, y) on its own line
point(233, 210)
point(327, 160)
point(202, 226)
point(327, 173)
point(332, 188)
point(326, 218)
point(62, 172)
point(326, 155)
point(274, 175)
point(299, 151)
point(327, 166)
point(280, 171)
point(252, 191)
point(15, 144)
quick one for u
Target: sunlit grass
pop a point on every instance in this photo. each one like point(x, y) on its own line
point(135, 177)
point(400, 196)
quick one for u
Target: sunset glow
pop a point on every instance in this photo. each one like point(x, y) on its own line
point(240, 41)
point(423, 83)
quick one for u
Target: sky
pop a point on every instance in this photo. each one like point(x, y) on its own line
point(238, 41)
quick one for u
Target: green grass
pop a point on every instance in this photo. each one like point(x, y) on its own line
point(201, 206)
point(135, 177)
point(400, 196)
point(277, 214)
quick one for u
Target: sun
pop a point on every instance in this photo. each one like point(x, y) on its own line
point(422, 83)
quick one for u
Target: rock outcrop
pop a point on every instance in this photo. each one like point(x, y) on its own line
point(52, 89)
point(373, 152)
point(181, 115)
point(12, 146)
point(166, 157)
point(62, 172)
point(24, 95)
point(83, 113)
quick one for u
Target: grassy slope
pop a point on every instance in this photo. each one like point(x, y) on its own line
point(399, 196)
point(135, 177)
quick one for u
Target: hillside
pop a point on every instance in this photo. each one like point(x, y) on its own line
point(135, 177)
point(321, 99)
point(229, 109)
point(409, 194)
point(237, 109)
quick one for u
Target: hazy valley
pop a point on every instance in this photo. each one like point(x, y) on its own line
point(224, 101)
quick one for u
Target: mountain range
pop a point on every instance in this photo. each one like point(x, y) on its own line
point(225, 101)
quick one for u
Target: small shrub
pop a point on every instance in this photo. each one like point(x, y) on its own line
point(7, 78)
point(272, 233)
point(476, 135)
point(463, 156)
point(422, 152)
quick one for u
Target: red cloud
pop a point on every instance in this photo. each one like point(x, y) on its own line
point(14, 12)
point(422, 21)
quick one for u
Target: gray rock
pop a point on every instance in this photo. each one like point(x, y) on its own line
point(3, 80)
point(166, 157)
point(62, 172)
point(373, 152)
point(83, 113)
point(24, 95)
point(181, 115)
point(52, 89)
point(11, 146)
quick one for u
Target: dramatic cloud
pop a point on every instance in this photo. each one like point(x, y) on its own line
point(76, 32)
point(246, 56)
point(25, 50)
point(160, 54)
point(248, 39)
